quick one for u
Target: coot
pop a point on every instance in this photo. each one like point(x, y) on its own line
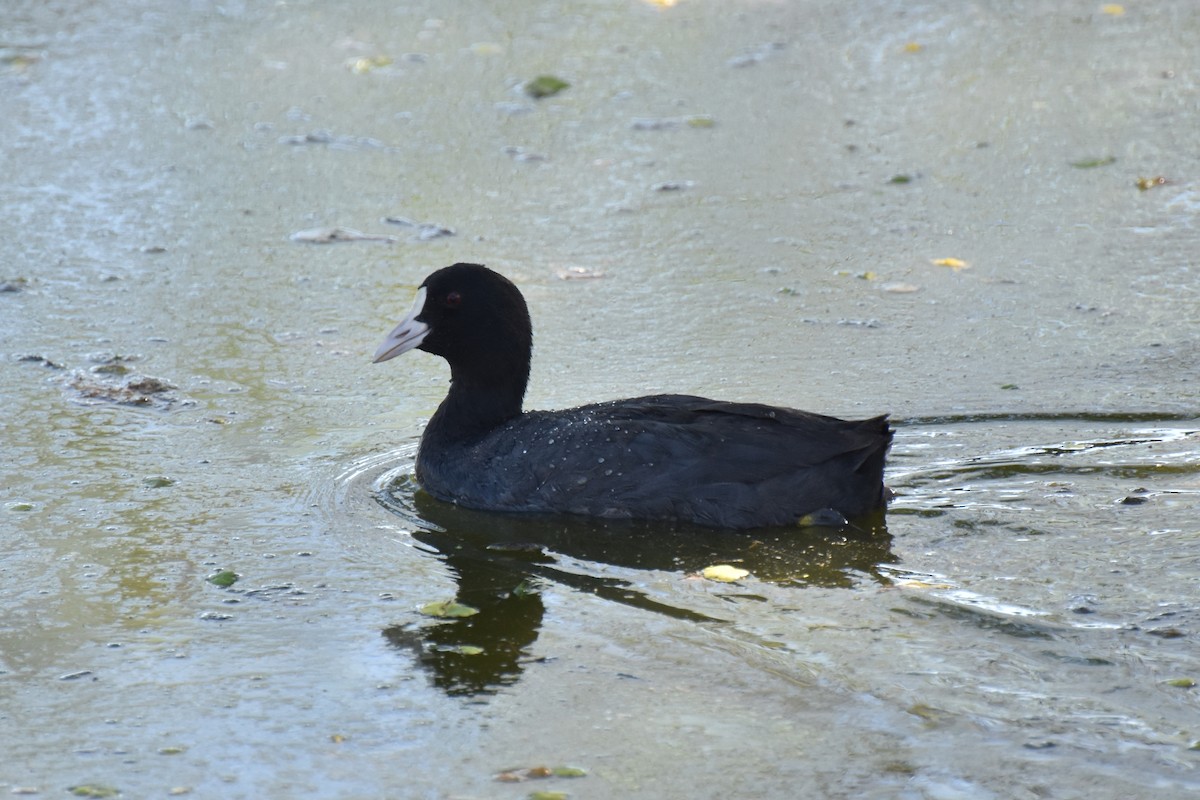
point(668, 457)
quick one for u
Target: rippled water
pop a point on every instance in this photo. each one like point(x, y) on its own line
point(1032, 588)
point(748, 201)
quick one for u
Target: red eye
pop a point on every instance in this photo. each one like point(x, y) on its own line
point(453, 300)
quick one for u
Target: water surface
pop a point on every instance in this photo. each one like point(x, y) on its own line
point(755, 194)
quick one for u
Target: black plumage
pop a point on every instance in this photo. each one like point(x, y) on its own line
point(670, 457)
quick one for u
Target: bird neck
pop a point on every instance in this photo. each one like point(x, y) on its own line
point(478, 403)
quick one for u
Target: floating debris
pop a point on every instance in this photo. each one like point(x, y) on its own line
point(13, 285)
point(18, 60)
point(672, 186)
point(956, 264)
point(332, 235)
point(1166, 633)
point(525, 589)
point(530, 548)
point(545, 86)
point(521, 154)
point(424, 230)
point(1142, 183)
point(448, 609)
point(223, 579)
point(336, 142)
point(198, 122)
point(43, 361)
point(312, 137)
point(94, 790)
point(724, 573)
point(1092, 163)
point(361, 66)
point(134, 390)
point(520, 774)
point(672, 123)
point(654, 123)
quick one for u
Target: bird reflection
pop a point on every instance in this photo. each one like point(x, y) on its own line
point(500, 560)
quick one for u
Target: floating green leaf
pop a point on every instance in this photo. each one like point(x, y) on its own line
point(517, 775)
point(93, 790)
point(545, 86)
point(1182, 683)
point(223, 579)
point(448, 609)
point(1091, 163)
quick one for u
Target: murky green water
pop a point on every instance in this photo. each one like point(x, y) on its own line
point(188, 390)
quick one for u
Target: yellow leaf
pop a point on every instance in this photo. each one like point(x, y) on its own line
point(953, 263)
point(361, 66)
point(724, 573)
point(913, 47)
point(1146, 184)
point(1112, 9)
point(913, 583)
